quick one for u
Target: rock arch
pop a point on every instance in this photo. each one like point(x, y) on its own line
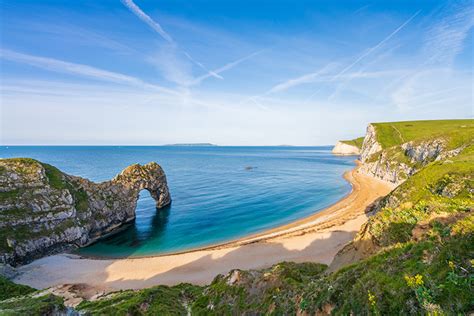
point(150, 177)
point(61, 211)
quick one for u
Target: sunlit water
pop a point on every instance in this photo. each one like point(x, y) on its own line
point(216, 198)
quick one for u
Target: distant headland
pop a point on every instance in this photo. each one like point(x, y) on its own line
point(193, 145)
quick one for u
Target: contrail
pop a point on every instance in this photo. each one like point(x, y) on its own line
point(376, 46)
point(61, 66)
point(228, 66)
point(147, 19)
point(157, 27)
point(366, 53)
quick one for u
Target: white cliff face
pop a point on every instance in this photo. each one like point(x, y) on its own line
point(370, 145)
point(398, 163)
point(345, 149)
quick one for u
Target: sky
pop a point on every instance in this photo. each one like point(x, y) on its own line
point(247, 72)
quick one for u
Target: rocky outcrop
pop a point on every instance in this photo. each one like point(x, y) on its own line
point(370, 145)
point(345, 149)
point(398, 163)
point(43, 210)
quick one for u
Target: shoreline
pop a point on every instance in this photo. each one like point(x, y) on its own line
point(251, 238)
point(316, 238)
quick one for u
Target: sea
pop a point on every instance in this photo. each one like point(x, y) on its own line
point(219, 193)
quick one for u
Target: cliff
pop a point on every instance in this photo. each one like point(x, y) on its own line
point(43, 210)
point(434, 173)
point(395, 151)
point(342, 148)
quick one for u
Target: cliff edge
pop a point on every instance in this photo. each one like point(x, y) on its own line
point(43, 210)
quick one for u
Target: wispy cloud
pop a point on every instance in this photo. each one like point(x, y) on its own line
point(446, 39)
point(56, 65)
point(147, 19)
point(157, 27)
point(299, 80)
point(227, 66)
point(442, 42)
point(373, 48)
point(318, 75)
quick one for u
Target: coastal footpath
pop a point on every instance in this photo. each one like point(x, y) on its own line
point(45, 211)
point(413, 253)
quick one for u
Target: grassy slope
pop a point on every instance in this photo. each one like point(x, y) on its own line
point(16, 299)
point(354, 142)
point(456, 132)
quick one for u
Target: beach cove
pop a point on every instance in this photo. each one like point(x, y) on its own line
point(316, 238)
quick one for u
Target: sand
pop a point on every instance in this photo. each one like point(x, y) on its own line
point(317, 238)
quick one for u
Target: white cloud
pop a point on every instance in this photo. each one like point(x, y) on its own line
point(446, 39)
point(56, 65)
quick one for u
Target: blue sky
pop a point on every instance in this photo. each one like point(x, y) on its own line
point(229, 72)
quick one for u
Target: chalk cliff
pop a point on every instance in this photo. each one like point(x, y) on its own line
point(345, 149)
point(43, 210)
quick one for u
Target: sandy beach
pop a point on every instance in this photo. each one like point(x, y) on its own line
point(316, 238)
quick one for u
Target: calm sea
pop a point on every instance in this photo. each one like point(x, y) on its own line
point(216, 197)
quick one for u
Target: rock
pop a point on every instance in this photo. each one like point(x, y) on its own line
point(44, 211)
point(398, 163)
point(370, 145)
point(345, 149)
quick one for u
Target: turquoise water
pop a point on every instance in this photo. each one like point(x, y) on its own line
point(216, 198)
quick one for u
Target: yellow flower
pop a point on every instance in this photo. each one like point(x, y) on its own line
point(419, 279)
point(451, 265)
point(412, 282)
point(371, 298)
point(472, 262)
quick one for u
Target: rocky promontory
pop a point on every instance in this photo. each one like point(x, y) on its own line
point(43, 210)
point(342, 148)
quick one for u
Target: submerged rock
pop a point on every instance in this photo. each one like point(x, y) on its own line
point(43, 210)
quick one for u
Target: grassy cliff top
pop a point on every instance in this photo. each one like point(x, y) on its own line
point(354, 142)
point(456, 132)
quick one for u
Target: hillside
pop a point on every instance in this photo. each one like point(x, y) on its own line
point(415, 256)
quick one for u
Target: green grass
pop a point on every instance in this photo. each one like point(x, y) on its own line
point(158, 300)
point(354, 142)
point(30, 305)
point(9, 195)
point(8, 289)
point(456, 132)
point(55, 177)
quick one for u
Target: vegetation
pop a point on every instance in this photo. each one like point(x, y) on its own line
point(420, 260)
point(354, 142)
point(158, 300)
point(455, 132)
point(16, 299)
point(8, 289)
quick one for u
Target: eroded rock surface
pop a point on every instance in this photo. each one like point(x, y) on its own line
point(43, 210)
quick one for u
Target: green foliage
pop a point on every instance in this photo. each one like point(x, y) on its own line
point(8, 289)
point(158, 300)
point(16, 299)
point(55, 177)
point(9, 195)
point(357, 142)
point(34, 305)
point(456, 132)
